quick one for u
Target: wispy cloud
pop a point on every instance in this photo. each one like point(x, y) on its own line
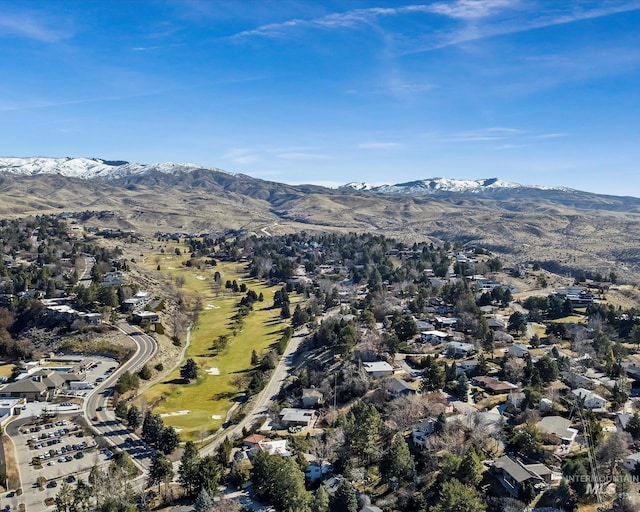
point(242, 156)
point(32, 26)
point(302, 156)
point(355, 18)
point(476, 20)
point(379, 145)
point(470, 9)
point(527, 21)
point(486, 134)
point(497, 137)
point(35, 104)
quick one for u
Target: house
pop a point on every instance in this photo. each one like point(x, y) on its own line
point(495, 323)
point(493, 385)
point(589, 399)
point(622, 420)
point(398, 387)
point(253, 441)
point(276, 447)
point(423, 325)
point(559, 427)
point(377, 369)
point(425, 428)
point(433, 336)
point(291, 417)
point(460, 349)
point(443, 321)
point(575, 380)
point(467, 366)
point(513, 474)
point(311, 398)
point(518, 350)
point(332, 484)
point(115, 278)
point(631, 461)
point(316, 468)
point(148, 316)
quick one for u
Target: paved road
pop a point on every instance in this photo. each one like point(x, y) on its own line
point(84, 274)
point(107, 425)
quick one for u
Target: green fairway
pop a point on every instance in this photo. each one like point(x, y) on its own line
point(208, 399)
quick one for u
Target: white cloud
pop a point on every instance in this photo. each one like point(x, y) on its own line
point(464, 9)
point(486, 134)
point(303, 156)
point(470, 9)
point(242, 156)
point(31, 26)
point(528, 20)
point(379, 145)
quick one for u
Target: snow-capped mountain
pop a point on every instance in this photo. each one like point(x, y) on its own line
point(88, 168)
point(445, 185)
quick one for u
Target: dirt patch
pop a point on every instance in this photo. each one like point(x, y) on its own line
point(13, 477)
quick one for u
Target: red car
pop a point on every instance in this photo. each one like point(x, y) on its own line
point(95, 418)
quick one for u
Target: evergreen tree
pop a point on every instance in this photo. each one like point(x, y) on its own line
point(345, 499)
point(134, 417)
point(169, 440)
point(470, 470)
point(161, 470)
point(397, 462)
point(224, 451)
point(121, 409)
point(280, 481)
point(190, 370)
point(152, 427)
point(188, 469)
point(203, 502)
point(433, 376)
point(362, 431)
point(462, 386)
point(455, 496)
point(320, 500)
point(209, 474)
point(633, 425)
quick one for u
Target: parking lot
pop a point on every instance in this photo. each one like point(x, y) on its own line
point(51, 451)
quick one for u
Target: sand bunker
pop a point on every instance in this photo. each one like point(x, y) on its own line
point(213, 371)
point(216, 417)
point(175, 413)
point(211, 306)
point(198, 276)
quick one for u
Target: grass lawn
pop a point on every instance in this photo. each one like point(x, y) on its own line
point(5, 369)
point(570, 319)
point(212, 395)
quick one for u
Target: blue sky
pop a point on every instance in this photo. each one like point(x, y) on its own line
point(540, 92)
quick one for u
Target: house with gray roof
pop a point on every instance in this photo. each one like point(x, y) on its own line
point(32, 390)
point(559, 427)
point(398, 387)
point(513, 474)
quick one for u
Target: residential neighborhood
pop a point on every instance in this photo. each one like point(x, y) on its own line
point(487, 389)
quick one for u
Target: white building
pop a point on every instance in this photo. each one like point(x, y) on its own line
point(589, 398)
point(377, 369)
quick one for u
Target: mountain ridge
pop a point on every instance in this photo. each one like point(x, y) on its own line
point(567, 228)
point(92, 168)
